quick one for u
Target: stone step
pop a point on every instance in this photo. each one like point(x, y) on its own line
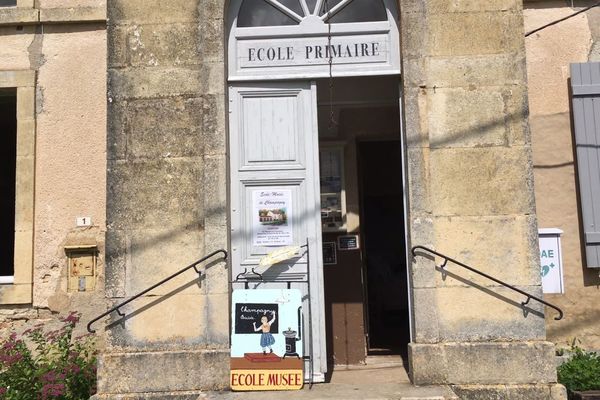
point(150, 396)
point(384, 361)
point(378, 381)
point(318, 392)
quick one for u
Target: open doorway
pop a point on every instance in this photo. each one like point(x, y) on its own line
point(362, 213)
point(383, 242)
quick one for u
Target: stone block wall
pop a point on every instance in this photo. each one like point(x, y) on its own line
point(167, 194)
point(470, 178)
point(471, 194)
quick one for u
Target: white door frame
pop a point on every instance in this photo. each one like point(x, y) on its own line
point(265, 77)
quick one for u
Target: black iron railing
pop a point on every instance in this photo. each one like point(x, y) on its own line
point(524, 303)
point(194, 265)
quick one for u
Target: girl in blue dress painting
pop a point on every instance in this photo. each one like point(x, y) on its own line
point(266, 338)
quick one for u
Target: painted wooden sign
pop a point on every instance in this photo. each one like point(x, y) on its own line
point(264, 354)
point(313, 51)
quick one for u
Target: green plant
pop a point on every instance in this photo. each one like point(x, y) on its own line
point(44, 366)
point(582, 371)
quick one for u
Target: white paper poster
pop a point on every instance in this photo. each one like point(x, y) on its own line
point(272, 218)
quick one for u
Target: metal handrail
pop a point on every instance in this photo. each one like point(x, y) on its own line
point(193, 265)
point(524, 303)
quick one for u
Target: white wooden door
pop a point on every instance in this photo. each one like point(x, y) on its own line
point(274, 156)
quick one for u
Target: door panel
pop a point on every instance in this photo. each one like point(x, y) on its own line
point(274, 149)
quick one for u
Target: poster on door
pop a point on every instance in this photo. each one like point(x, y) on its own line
point(272, 218)
point(266, 340)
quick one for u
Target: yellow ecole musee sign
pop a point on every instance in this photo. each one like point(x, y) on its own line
point(255, 380)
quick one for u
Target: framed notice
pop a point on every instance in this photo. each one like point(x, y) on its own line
point(266, 340)
point(333, 208)
point(348, 242)
point(272, 218)
point(329, 253)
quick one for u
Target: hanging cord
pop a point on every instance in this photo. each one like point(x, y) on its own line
point(332, 121)
point(562, 19)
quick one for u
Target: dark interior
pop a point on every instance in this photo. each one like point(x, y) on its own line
point(384, 256)
point(8, 158)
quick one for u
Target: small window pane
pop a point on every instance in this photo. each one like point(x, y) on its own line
point(8, 3)
point(261, 13)
point(293, 5)
point(361, 11)
point(329, 4)
point(312, 4)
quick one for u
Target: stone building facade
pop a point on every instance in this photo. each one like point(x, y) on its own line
point(52, 63)
point(549, 54)
point(137, 135)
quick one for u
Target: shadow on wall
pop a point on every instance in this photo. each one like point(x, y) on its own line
point(572, 329)
point(445, 273)
point(504, 120)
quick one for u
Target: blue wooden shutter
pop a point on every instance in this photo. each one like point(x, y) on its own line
point(585, 81)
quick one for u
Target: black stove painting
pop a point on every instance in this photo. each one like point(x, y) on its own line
point(266, 340)
point(291, 337)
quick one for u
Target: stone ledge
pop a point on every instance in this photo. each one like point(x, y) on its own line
point(72, 15)
point(162, 373)
point(18, 16)
point(511, 392)
point(17, 78)
point(32, 16)
point(151, 396)
point(16, 294)
point(484, 363)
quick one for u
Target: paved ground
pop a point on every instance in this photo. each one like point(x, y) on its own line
point(358, 383)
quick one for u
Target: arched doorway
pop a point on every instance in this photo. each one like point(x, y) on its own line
point(313, 103)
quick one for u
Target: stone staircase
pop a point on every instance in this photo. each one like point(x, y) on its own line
point(369, 382)
point(381, 378)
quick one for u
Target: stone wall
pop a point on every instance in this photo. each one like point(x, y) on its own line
point(549, 53)
point(471, 195)
point(67, 63)
point(167, 191)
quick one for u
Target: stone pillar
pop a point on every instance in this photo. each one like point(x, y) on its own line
point(167, 190)
point(471, 197)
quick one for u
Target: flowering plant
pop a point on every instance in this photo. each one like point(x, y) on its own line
point(52, 365)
